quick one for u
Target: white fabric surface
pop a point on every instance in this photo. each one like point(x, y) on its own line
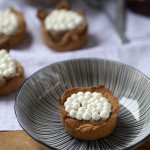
point(103, 42)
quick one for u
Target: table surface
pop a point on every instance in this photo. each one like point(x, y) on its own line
point(20, 140)
point(103, 42)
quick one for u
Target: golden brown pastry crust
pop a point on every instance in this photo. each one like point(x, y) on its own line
point(8, 85)
point(89, 130)
point(63, 4)
point(4, 43)
point(16, 38)
point(63, 41)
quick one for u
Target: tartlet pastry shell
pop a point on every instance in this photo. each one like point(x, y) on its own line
point(15, 39)
point(89, 130)
point(63, 41)
point(8, 85)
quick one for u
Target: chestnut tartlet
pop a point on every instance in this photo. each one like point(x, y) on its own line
point(11, 73)
point(104, 112)
point(13, 27)
point(139, 6)
point(63, 29)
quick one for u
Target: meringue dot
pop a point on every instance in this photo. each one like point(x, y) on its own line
point(98, 96)
point(73, 113)
point(84, 104)
point(81, 109)
point(103, 99)
point(80, 99)
point(76, 106)
point(68, 108)
point(80, 94)
point(70, 99)
point(89, 94)
point(66, 103)
point(79, 116)
point(104, 114)
point(99, 108)
point(87, 116)
point(95, 116)
point(74, 96)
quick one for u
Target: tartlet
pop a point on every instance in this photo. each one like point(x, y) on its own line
point(18, 36)
point(63, 40)
point(139, 6)
point(89, 129)
point(12, 82)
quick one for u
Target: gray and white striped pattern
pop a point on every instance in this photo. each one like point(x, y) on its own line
point(37, 107)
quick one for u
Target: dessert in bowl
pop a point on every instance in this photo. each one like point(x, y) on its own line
point(38, 110)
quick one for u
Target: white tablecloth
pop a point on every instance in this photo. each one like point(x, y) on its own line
point(103, 42)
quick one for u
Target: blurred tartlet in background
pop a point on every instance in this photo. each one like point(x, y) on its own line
point(12, 27)
point(11, 73)
point(139, 6)
point(63, 29)
point(44, 3)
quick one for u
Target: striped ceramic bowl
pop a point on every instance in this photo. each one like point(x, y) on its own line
point(37, 107)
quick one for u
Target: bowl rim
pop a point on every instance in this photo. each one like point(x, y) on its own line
point(65, 61)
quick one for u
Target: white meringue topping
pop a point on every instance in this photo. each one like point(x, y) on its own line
point(88, 106)
point(63, 20)
point(8, 22)
point(7, 64)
